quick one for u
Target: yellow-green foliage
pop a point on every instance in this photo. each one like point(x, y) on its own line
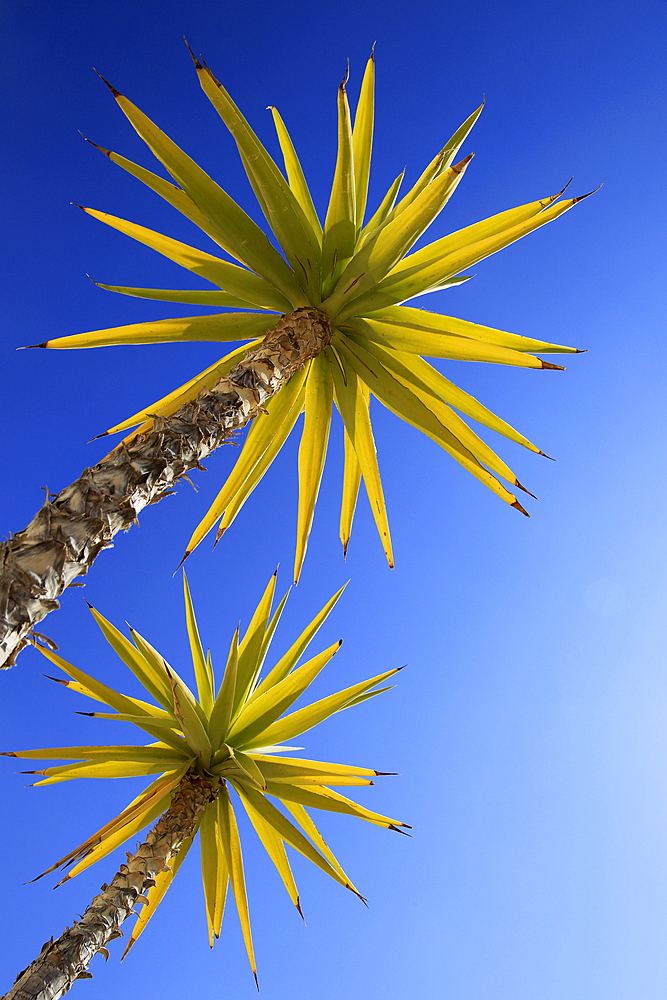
point(358, 274)
point(233, 735)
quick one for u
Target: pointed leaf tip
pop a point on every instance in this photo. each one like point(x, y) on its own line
point(544, 455)
point(198, 65)
point(346, 77)
point(187, 553)
point(356, 893)
point(550, 367)
point(525, 490)
point(582, 196)
point(129, 945)
point(116, 93)
point(555, 197)
point(462, 164)
point(518, 506)
point(29, 347)
point(107, 152)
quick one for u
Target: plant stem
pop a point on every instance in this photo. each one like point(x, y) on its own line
point(65, 960)
point(69, 532)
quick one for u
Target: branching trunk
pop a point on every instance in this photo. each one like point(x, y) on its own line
point(65, 537)
point(63, 961)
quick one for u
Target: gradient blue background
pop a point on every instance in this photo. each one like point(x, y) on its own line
point(529, 728)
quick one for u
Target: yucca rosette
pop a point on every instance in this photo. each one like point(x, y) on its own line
point(356, 273)
point(220, 737)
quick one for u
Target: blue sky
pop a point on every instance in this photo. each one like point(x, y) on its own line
point(529, 728)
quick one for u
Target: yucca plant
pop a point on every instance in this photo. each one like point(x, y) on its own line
point(343, 336)
point(227, 738)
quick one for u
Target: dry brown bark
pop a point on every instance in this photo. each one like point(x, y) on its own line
point(70, 530)
point(65, 960)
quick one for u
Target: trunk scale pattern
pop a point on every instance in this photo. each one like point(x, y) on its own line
point(71, 529)
point(65, 960)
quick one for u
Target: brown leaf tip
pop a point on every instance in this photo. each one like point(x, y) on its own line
point(459, 167)
point(107, 152)
point(346, 77)
point(29, 347)
point(525, 490)
point(518, 506)
point(544, 455)
point(116, 93)
point(183, 560)
point(356, 893)
point(582, 196)
point(198, 65)
point(555, 197)
point(58, 680)
point(555, 368)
